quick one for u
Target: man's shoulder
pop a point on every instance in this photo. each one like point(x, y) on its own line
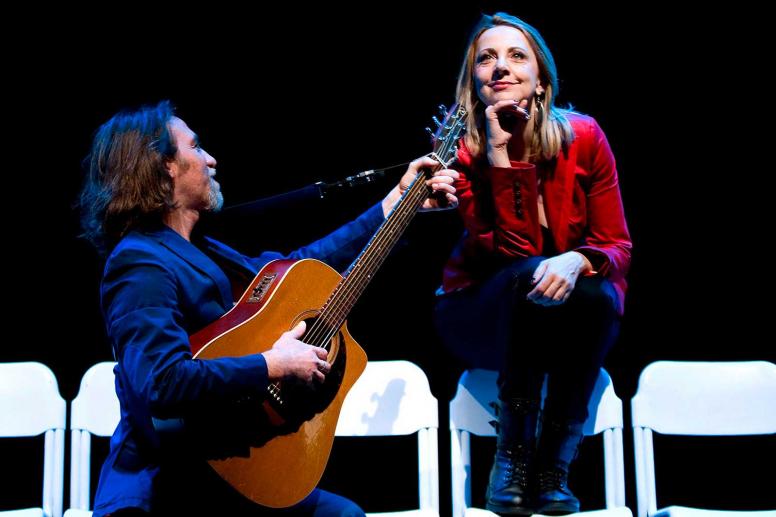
point(137, 247)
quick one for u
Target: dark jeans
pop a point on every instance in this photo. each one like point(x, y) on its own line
point(493, 326)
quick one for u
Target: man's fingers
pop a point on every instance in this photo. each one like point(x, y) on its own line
point(299, 330)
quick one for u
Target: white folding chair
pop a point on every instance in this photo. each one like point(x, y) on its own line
point(30, 404)
point(701, 399)
point(94, 411)
point(393, 398)
point(471, 412)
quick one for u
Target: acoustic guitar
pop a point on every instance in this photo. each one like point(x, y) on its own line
point(280, 452)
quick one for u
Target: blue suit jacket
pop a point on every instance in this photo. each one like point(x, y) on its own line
point(157, 289)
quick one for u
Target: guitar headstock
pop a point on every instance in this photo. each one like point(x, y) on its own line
point(448, 132)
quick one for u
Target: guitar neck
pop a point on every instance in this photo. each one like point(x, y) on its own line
point(361, 272)
point(348, 291)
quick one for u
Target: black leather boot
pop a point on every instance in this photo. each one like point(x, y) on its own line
point(558, 447)
point(508, 489)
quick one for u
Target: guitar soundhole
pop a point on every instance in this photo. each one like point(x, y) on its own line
point(296, 401)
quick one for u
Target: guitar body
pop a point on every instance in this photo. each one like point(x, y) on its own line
point(274, 449)
point(285, 466)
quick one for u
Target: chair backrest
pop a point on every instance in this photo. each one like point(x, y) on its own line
point(698, 398)
point(393, 398)
point(94, 411)
point(471, 413)
point(30, 404)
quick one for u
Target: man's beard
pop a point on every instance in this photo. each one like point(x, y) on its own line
point(216, 199)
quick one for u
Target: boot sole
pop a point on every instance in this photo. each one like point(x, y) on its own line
point(509, 510)
point(557, 509)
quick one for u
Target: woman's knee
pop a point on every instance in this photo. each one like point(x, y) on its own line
point(596, 294)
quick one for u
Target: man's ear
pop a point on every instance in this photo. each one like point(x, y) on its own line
point(172, 168)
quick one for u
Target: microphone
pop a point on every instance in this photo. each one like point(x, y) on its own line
point(362, 178)
point(314, 192)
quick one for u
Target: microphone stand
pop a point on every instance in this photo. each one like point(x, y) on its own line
point(311, 193)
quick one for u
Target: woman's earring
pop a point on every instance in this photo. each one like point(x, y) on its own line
point(538, 98)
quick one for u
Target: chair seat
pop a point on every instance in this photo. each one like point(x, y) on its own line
point(471, 410)
point(478, 512)
point(621, 511)
point(78, 513)
point(408, 513)
point(393, 398)
point(30, 405)
point(698, 398)
point(612, 512)
point(27, 512)
point(94, 412)
point(685, 511)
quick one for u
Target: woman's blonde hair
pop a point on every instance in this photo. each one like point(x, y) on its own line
point(552, 130)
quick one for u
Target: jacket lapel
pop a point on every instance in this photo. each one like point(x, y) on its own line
point(171, 240)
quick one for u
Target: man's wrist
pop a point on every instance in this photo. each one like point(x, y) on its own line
point(274, 370)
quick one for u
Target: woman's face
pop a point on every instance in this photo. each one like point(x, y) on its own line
point(505, 66)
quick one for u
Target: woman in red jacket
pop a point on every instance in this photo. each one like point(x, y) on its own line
point(535, 287)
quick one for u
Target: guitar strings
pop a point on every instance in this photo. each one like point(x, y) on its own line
point(335, 313)
point(347, 292)
point(325, 327)
point(399, 219)
point(401, 216)
point(321, 334)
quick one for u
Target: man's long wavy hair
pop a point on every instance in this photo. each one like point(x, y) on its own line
point(127, 185)
point(551, 129)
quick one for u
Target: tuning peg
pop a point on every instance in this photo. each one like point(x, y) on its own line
point(442, 109)
point(428, 130)
point(436, 121)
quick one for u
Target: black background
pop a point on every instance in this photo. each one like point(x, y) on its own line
point(284, 98)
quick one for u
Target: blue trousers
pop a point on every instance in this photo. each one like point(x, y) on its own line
point(203, 492)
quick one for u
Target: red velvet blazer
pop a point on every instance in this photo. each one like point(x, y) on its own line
point(581, 197)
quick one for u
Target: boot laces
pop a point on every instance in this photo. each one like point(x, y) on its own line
point(517, 468)
point(552, 479)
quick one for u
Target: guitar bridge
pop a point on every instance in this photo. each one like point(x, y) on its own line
point(261, 288)
point(274, 392)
